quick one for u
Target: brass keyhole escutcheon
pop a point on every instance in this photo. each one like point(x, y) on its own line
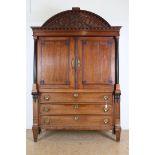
point(106, 121)
point(76, 106)
point(46, 109)
point(76, 118)
point(46, 98)
point(75, 94)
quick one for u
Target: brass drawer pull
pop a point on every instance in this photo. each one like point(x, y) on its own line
point(73, 63)
point(76, 95)
point(106, 121)
point(78, 62)
point(76, 118)
point(45, 109)
point(46, 121)
point(46, 98)
point(76, 106)
point(106, 109)
point(106, 98)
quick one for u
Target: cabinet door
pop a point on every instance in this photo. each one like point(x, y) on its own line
point(54, 62)
point(97, 62)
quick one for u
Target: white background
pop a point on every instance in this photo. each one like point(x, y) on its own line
point(114, 11)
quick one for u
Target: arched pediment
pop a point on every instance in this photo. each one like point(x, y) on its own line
point(76, 19)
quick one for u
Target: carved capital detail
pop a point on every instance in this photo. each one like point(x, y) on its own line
point(117, 97)
point(117, 93)
point(35, 93)
point(35, 96)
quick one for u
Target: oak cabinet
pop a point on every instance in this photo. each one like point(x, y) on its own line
point(76, 74)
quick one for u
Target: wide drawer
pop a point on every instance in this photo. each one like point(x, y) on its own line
point(59, 109)
point(77, 122)
point(75, 97)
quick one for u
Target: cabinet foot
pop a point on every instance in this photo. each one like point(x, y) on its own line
point(35, 133)
point(39, 130)
point(113, 131)
point(118, 134)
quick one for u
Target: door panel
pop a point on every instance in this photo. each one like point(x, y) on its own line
point(97, 57)
point(54, 65)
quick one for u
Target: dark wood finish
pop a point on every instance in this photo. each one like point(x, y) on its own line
point(117, 60)
point(35, 61)
point(76, 74)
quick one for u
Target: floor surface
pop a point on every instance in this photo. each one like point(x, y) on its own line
point(77, 143)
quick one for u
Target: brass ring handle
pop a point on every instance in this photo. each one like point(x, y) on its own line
point(76, 118)
point(46, 98)
point(75, 94)
point(105, 98)
point(46, 109)
point(46, 121)
point(76, 106)
point(106, 121)
point(106, 109)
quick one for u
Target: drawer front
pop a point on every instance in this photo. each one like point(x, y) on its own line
point(59, 109)
point(77, 122)
point(75, 97)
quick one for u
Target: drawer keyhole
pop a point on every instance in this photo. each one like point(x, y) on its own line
point(76, 106)
point(75, 94)
point(76, 118)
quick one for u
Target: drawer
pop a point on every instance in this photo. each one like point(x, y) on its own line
point(75, 97)
point(77, 122)
point(59, 109)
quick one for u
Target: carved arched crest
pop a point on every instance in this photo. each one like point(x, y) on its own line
point(76, 20)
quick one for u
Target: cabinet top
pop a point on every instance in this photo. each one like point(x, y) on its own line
point(76, 20)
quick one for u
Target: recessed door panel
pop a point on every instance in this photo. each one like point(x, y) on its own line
point(97, 57)
point(54, 64)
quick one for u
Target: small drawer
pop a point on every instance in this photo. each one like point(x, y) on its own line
point(77, 122)
point(75, 97)
point(59, 109)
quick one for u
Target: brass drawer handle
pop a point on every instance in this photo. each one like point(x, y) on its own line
point(46, 98)
point(76, 118)
point(75, 94)
point(106, 109)
point(105, 98)
point(106, 121)
point(73, 63)
point(46, 109)
point(46, 121)
point(76, 106)
point(78, 62)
